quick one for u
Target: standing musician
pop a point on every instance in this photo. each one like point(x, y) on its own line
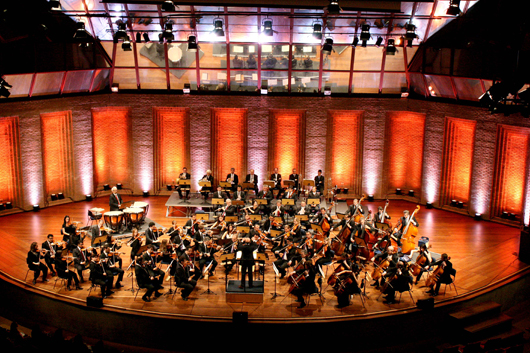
point(68, 229)
point(152, 236)
point(184, 176)
point(303, 279)
point(81, 260)
point(144, 280)
point(99, 276)
point(135, 243)
point(34, 264)
point(296, 179)
point(379, 217)
point(207, 251)
point(290, 194)
point(346, 283)
point(402, 224)
point(95, 231)
point(183, 278)
point(356, 208)
point(247, 260)
point(115, 200)
point(150, 260)
point(111, 266)
point(319, 182)
point(62, 270)
point(445, 277)
point(206, 189)
point(252, 178)
point(233, 179)
point(277, 178)
point(399, 280)
point(51, 250)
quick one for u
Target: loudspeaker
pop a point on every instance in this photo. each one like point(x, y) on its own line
point(524, 246)
point(425, 304)
point(240, 317)
point(96, 302)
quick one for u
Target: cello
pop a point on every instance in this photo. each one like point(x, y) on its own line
point(434, 276)
point(409, 233)
point(357, 216)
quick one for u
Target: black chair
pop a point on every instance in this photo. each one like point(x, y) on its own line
point(453, 274)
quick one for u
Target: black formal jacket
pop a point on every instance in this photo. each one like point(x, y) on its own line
point(235, 182)
point(239, 194)
point(319, 182)
point(295, 177)
point(247, 250)
point(247, 180)
point(115, 203)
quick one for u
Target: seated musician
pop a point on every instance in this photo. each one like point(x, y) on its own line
point(445, 277)
point(306, 269)
point(314, 193)
point(144, 280)
point(255, 209)
point(111, 266)
point(379, 217)
point(99, 276)
point(192, 224)
point(324, 253)
point(51, 249)
point(230, 248)
point(219, 194)
point(277, 178)
point(254, 231)
point(391, 255)
point(68, 229)
point(220, 225)
point(278, 210)
point(135, 243)
point(271, 224)
point(115, 200)
point(296, 178)
point(34, 264)
point(201, 236)
point(207, 251)
point(252, 178)
point(402, 224)
point(267, 195)
point(290, 194)
point(81, 260)
point(184, 176)
point(63, 272)
point(239, 194)
point(346, 283)
point(428, 259)
point(150, 260)
point(183, 278)
point(192, 256)
point(319, 182)
point(205, 190)
point(229, 209)
point(302, 210)
point(287, 256)
point(233, 179)
point(152, 236)
point(400, 281)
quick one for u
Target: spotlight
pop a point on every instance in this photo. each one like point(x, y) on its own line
point(355, 41)
point(168, 5)
point(370, 198)
point(146, 193)
point(411, 31)
point(454, 8)
point(453, 203)
point(9, 205)
point(169, 187)
point(115, 87)
point(327, 48)
point(192, 44)
point(36, 208)
point(187, 88)
point(345, 190)
point(430, 205)
point(122, 32)
point(478, 217)
point(106, 187)
point(60, 196)
point(80, 33)
point(505, 215)
point(317, 30)
point(218, 27)
point(168, 32)
point(54, 197)
point(88, 197)
point(411, 193)
point(2, 207)
point(126, 44)
point(378, 41)
point(327, 90)
point(460, 204)
point(333, 7)
point(512, 216)
point(398, 191)
point(138, 37)
point(54, 4)
point(390, 47)
point(119, 186)
point(146, 37)
point(365, 34)
point(267, 28)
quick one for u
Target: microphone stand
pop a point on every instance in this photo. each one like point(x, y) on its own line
point(131, 267)
point(275, 294)
point(208, 291)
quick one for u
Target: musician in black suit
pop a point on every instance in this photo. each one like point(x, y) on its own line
point(34, 264)
point(265, 194)
point(152, 237)
point(239, 194)
point(307, 269)
point(51, 251)
point(135, 243)
point(115, 200)
point(229, 209)
point(252, 178)
point(144, 280)
point(62, 271)
point(233, 179)
point(296, 179)
point(81, 261)
point(247, 248)
point(290, 194)
point(207, 189)
point(207, 251)
point(277, 178)
point(445, 277)
point(183, 278)
point(398, 231)
point(400, 280)
point(278, 210)
point(356, 208)
point(99, 277)
point(150, 264)
point(319, 182)
point(111, 266)
point(184, 176)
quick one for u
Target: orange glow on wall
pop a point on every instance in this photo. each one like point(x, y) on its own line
point(510, 170)
point(229, 142)
point(286, 141)
point(57, 152)
point(111, 143)
point(172, 143)
point(10, 179)
point(344, 144)
point(404, 151)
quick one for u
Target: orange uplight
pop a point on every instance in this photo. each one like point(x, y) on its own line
point(286, 141)
point(8, 158)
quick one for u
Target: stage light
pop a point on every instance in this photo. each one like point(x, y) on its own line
point(187, 88)
point(327, 90)
point(327, 48)
point(106, 187)
point(218, 27)
point(36, 208)
point(2, 207)
point(60, 196)
point(391, 47)
point(411, 31)
point(411, 193)
point(169, 187)
point(478, 217)
point(267, 28)
point(146, 37)
point(355, 41)
point(378, 41)
point(192, 44)
point(115, 87)
point(370, 198)
point(454, 8)
point(460, 204)
point(430, 205)
point(398, 191)
point(365, 34)
point(119, 186)
point(167, 35)
point(146, 193)
point(126, 44)
point(345, 190)
point(505, 215)
point(88, 197)
point(317, 30)
point(168, 5)
point(453, 203)
point(54, 4)
point(80, 33)
point(512, 216)
point(122, 31)
point(333, 7)
point(9, 205)
point(54, 197)
point(138, 37)
point(264, 87)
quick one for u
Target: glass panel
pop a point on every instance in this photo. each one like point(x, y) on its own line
point(242, 9)
point(205, 29)
point(394, 83)
point(468, 89)
point(243, 80)
point(151, 55)
point(209, 8)
point(101, 28)
point(487, 84)
point(178, 78)
point(417, 84)
point(365, 82)
point(306, 57)
point(437, 24)
point(152, 79)
point(395, 62)
point(410, 53)
point(78, 81)
point(94, 5)
point(146, 22)
point(280, 30)
point(48, 83)
point(424, 9)
point(244, 33)
point(275, 56)
point(109, 47)
point(145, 7)
point(406, 7)
point(76, 5)
point(439, 86)
point(213, 80)
point(441, 8)
point(341, 30)
point(101, 81)
point(124, 58)
point(337, 81)
point(339, 59)
point(126, 78)
point(304, 82)
point(244, 56)
point(21, 84)
point(368, 59)
point(214, 55)
point(303, 30)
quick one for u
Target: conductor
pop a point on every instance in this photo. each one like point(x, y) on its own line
point(247, 260)
point(115, 200)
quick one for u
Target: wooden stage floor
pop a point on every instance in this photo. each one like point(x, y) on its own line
point(482, 252)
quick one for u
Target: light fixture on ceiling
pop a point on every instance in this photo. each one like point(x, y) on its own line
point(454, 8)
point(379, 41)
point(267, 27)
point(126, 44)
point(390, 47)
point(138, 37)
point(146, 37)
point(355, 41)
point(317, 31)
point(80, 33)
point(192, 43)
point(122, 31)
point(410, 35)
point(167, 35)
point(333, 7)
point(168, 5)
point(218, 27)
point(4, 88)
point(54, 4)
point(365, 34)
point(327, 48)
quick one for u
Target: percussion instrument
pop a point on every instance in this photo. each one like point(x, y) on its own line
point(113, 220)
point(143, 205)
point(133, 216)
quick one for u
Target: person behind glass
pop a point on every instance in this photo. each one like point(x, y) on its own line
point(51, 250)
point(152, 237)
point(144, 280)
point(115, 200)
point(34, 264)
point(319, 182)
point(233, 179)
point(99, 277)
point(111, 266)
point(247, 248)
point(270, 62)
point(308, 63)
point(68, 229)
point(252, 178)
point(184, 176)
point(183, 278)
point(251, 62)
point(277, 178)
point(62, 271)
point(207, 189)
point(237, 63)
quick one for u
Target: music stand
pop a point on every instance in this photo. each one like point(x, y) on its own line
point(218, 202)
point(260, 258)
point(229, 219)
point(243, 229)
point(225, 184)
point(288, 183)
point(382, 226)
point(313, 202)
point(277, 274)
point(316, 228)
point(278, 219)
point(302, 217)
point(276, 233)
point(202, 216)
point(340, 215)
point(308, 182)
point(247, 186)
point(184, 184)
point(269, 183)
point(208, 291)
point(261, 201)
point(205, 184)
point(289, 202)
point(97, 241)
point(255, 217)
point(238, 203)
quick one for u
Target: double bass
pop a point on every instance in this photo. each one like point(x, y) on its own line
point(357, 215)
point(409, 234)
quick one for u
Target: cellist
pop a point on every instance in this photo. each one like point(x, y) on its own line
point(402, 224)
point(393, 258)
point(346, 284)
point(445, 277)
point(423, 251)
point(304, 276)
